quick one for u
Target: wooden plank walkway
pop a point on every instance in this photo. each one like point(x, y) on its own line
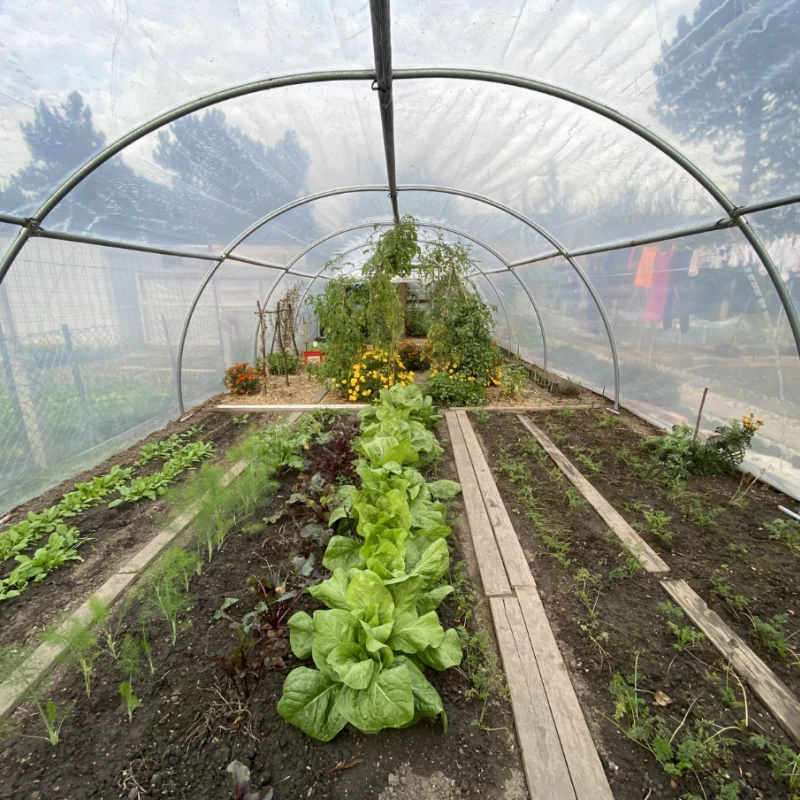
point(559, 757)
point(624, 532)
point(493, 573)
point(519, 573)
point(766, 685)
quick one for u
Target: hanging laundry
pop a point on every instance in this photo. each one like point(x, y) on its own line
point(660, 284)
point(644, 272)
point(632, 258)
point(697, 257)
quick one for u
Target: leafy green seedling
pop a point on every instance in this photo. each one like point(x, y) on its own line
point(80, 646)
point(132, 702)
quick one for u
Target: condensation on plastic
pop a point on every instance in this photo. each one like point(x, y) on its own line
point(577, 344)
point(204, 179)
point(718, 80)
point(130, 62)
point(701, 312)
point(88, 346)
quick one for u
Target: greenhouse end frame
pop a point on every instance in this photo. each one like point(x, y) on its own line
point(382, 77)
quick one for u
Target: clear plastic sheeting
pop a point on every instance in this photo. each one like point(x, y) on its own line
point(303, 225)
point(505, 233)
point(577, 343)
point(222, 330)
point(718, 79)
point(696, 313)
point(88, 343)
point(203, 179)
point(525, 337)
point(582, 177)
point(88, 74)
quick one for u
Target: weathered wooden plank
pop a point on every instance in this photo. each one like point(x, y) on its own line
point(766, 685)
point(290, 407)
point(519, 573)
point(542, 758)
point(490, 564)
point(585, 767)
point(624, 532)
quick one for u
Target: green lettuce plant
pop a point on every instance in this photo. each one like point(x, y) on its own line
point(370, 647)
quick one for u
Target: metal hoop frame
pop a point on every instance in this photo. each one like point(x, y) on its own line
point(383, 75)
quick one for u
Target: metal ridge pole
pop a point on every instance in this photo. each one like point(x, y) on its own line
point(198, 104)
point(63, 236)
point(625, 244)
point(382, 48)
point(767, 205)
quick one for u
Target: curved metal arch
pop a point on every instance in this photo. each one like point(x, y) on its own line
point(361, 226)
point(415, 74)
point(415, 188)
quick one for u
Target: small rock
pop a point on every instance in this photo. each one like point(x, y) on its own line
point(155, 781)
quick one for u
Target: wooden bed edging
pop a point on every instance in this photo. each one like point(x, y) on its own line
point(765, 684)
point(37, 666)
point(624, 532)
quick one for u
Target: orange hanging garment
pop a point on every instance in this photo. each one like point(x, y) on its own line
point(644, 272)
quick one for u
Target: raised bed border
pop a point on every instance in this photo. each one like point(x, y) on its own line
point(39, 664)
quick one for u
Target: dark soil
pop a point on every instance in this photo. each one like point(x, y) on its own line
point(733, 546)
point(116, 533)
point(629, 623)
point(182, 738)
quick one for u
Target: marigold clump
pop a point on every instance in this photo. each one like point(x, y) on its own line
point(241, 378)
point(375, 370)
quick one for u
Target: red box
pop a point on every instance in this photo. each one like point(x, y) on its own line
point(312, 356)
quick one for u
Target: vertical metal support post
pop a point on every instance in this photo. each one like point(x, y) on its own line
point(382, 47)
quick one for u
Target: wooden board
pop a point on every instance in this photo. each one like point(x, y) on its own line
point(584, 763)
point(766, 685)
point(624, 532)
point(493, 573)
point(542, 758)
point(295, 407)
point(519, 573)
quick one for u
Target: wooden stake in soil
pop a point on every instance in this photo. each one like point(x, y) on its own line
point(699, 414)
point(262, 327)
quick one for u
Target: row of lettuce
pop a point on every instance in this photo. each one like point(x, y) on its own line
point(119, 485)
point(381, 630)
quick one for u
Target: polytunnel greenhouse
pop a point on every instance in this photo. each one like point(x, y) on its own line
point(364, 368)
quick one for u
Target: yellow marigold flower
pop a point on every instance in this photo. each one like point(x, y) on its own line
point(471, 378)
point(760, 421)
point(353, 381)
point(450, 371)
point(499, 374)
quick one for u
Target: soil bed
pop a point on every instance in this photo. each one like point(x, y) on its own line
point(115, 533)
point(182, 738)
point(607, 618)
point(302, 388)
point(711, 538)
